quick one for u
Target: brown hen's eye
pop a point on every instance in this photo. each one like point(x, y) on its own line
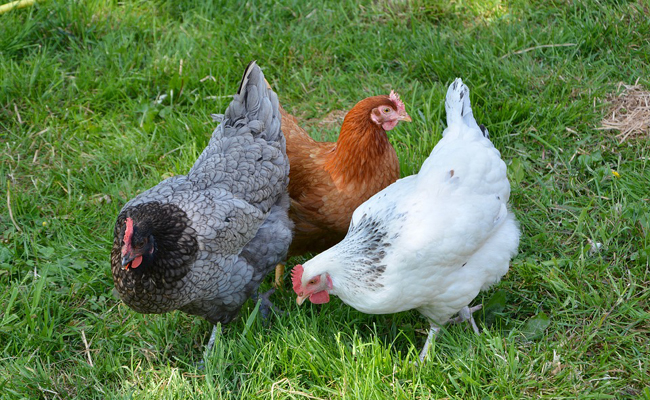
point(386, 110)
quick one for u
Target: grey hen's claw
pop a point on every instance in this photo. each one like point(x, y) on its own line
point(266, 305)
point(216, 329)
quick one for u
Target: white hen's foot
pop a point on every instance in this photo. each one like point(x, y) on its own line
point(465, 314)
point(432, 334)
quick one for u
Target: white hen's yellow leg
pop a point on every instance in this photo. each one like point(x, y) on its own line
point(279, 274)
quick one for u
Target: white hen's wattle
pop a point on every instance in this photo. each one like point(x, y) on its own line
point(430, 241)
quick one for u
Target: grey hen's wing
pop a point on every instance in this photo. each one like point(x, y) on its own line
point(228, 287)
point(222, 222)
point(246, 155)
point(241, 174)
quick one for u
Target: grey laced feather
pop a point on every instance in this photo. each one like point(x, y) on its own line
point(233, 204)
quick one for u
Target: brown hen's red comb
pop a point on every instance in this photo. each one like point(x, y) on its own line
point(296, 277)
point(394, 97)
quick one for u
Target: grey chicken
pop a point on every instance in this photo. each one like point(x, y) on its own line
point(202, 242)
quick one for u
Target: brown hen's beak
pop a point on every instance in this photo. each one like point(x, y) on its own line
point(301, 298)
point(404, 117)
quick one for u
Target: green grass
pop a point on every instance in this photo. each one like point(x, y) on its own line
point(95, 107)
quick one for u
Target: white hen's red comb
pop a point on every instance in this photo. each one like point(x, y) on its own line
point(296, 278)
point(394, 97)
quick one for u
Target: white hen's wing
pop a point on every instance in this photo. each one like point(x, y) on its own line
point(431, 241)
point(407, 244)
point(462, 190)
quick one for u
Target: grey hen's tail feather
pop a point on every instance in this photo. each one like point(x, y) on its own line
point(246, 155)
point(244, 79)
point(256, 106)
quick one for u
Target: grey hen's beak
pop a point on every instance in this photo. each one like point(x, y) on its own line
point(128, 258)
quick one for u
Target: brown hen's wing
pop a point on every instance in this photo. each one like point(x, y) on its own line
point(311, 187)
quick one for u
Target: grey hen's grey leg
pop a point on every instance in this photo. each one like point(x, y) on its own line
point(266, 305)
point(213, 337)
point(215, 329)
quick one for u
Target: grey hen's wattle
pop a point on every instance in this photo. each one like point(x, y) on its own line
point(221, 228)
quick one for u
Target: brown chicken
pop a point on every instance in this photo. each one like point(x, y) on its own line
point(328, 181)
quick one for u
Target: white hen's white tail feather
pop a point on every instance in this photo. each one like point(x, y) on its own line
point(459, 108)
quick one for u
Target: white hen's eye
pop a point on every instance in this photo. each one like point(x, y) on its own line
point(311, 281)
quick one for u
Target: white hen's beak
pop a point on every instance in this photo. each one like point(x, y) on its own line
point(301, 298)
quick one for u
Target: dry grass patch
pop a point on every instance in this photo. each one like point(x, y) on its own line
point(629, 112)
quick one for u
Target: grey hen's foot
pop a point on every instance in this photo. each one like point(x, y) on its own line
point(216, 329)
point(266, 305)
point(465, 314)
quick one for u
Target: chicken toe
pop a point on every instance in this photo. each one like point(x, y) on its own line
point(265, 304)
point(465, 314)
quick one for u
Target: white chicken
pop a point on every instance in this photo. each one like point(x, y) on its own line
point(430, 241)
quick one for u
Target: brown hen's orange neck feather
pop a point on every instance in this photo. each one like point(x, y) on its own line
point(361, 143)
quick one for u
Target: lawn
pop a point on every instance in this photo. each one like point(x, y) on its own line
point(100, 100)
